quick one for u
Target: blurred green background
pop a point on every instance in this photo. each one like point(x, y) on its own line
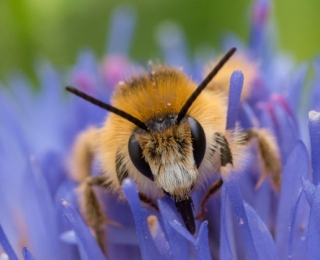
point(58, 29)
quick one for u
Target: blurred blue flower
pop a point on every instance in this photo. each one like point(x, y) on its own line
point(39, 211)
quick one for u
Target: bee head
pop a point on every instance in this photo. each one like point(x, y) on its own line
point(169, 153)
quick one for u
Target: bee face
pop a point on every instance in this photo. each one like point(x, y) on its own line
point(170, 153)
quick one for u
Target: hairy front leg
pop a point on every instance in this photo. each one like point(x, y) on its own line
point(225, 159)
point(269, 154)
point(92, 209)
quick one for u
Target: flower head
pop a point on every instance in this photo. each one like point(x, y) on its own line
point(248, 219)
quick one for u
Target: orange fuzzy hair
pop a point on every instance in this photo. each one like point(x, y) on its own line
point(148, 96)
point(239, 61)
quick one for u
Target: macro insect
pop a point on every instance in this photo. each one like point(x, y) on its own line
point(169, 136)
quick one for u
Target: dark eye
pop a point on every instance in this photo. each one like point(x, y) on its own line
point(135, 153)
point(198, 140)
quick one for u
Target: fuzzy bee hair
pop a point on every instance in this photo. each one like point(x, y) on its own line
point(154, 100)
point(152, 96)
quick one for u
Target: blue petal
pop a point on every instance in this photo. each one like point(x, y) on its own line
point(50, 87)
point(308, 189)
point(177, 226)
point(177, 242)
point(122, 27)
point(86, 239)
point(280, 67)
point(314, 130)
point(6, 245)
point(286, 130)
point(290, 185)
point(203, 252)
point(54, 176)
point(263, 240)
point(171, 39)
point(140, 215)
point(225, 244)
point(236, 83)
point(212, 215)
point(26, 254)
point(86, 74)
point(247, 117)
point(69, 237)
point(11, 114)
point(239, 210)
point(292, 224)
point(159, 238)
point(265, 116)
point(38, 211)
point(249, 177)
point(81, 114)
point(295, 91)
point(20, 87)
point(283, 103)
point(260, 15)
point(313, 238)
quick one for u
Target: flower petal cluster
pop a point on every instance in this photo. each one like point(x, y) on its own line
point(247, 219)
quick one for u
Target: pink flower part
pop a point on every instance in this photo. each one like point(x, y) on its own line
point(114, 69)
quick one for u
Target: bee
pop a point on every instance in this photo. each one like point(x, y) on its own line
point(169, 136)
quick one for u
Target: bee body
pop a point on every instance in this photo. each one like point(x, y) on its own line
point(170, 137)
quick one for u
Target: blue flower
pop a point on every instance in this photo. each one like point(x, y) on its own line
point(39, 210)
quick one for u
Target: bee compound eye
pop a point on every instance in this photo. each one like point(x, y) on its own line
point(135, 153)
point(198, 140)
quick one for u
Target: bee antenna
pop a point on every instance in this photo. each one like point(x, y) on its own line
point(108, 107)
point(203, 84)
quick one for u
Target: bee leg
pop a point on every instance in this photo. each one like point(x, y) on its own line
point(225, 158)
point(92, 209)
point(82, 157)
point(83, 153)
point(212, 190)
point(225, 151)
point(144, 198)
point(269, 154)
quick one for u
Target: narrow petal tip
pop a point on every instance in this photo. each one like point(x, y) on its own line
point(153, 225)
point(314, 116)
point(261, 12)
point(236, 84)
point(64, 203)
point(26, 254)
point(127, 183)
point(69, 237)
